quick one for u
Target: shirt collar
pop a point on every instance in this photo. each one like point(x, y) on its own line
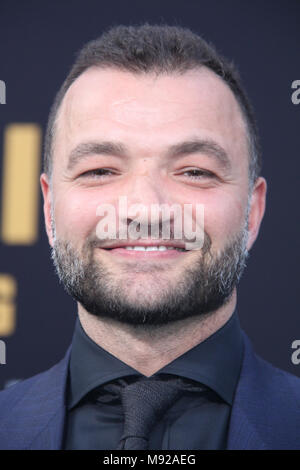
point(215, 362)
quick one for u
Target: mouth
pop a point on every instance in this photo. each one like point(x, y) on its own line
point(146, 251)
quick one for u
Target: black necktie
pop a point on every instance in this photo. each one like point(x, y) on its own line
point(144, 402)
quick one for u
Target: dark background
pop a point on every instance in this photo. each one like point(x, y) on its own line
point(38, 41)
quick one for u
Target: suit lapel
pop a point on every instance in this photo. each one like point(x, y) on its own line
point(243, 432)
point(39, 408)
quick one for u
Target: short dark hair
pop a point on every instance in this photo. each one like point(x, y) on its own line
point(161, 49)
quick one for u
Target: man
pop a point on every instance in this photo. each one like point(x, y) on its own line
point(158, 360)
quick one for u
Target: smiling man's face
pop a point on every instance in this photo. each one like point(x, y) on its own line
point(141, 136)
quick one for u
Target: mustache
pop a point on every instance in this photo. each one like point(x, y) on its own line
point(93, 241)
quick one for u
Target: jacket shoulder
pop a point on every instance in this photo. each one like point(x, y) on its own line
point(28, 407)
point(272, 379)
point(11, 395)
point(266, 409)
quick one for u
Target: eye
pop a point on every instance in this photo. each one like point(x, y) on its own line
point(197, 174)
point(97, 173)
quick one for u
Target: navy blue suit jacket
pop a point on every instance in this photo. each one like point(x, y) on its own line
point(265, 412)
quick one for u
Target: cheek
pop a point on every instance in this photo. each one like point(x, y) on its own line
point(223, 217)
point(75, 215)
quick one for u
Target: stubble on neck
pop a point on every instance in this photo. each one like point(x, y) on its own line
point(148, 348)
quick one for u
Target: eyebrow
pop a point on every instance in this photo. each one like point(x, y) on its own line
point(206, 146)
point(85, 149)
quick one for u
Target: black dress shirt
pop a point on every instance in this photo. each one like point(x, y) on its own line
point(193, 422)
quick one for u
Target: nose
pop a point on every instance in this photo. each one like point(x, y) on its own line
point(145, 193)
point(145, 188)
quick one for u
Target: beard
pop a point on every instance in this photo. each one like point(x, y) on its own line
point(153, 299)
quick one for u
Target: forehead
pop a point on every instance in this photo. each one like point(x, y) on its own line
point(118, 104)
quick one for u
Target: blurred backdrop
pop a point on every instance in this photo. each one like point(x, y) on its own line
point(38, 42)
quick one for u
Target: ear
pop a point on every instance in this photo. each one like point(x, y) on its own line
point(46, 190)
point(257, 209)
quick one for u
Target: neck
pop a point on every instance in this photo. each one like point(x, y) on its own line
point(147, 350)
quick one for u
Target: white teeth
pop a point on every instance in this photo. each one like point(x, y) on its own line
point(150, 248)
